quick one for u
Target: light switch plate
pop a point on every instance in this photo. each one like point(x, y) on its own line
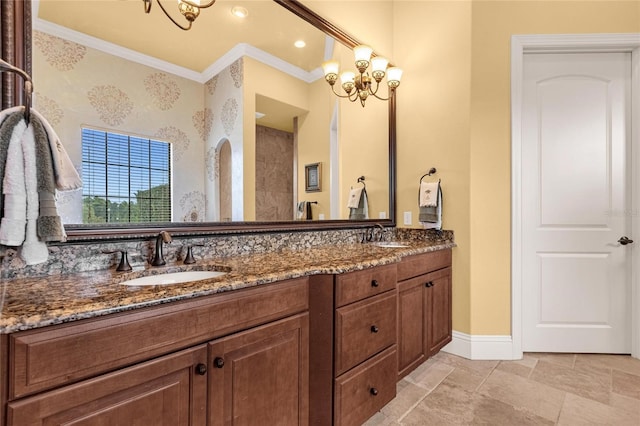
point(407, 218)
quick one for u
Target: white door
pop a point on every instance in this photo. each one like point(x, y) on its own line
point(576, 294)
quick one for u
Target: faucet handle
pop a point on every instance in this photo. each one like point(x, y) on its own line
point(124, 265)
point(189, 259)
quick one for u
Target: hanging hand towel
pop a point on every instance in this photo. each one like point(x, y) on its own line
point(14, 219)
point(361, 209)
point(66, 176)
point(354, 198)
point(9, 118)
point(431, 217)
point(429, 194)
point(33, 251)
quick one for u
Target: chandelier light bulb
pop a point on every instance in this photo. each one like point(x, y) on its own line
point(394, 74)
point(362, 54)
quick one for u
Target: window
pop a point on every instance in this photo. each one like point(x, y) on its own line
point(125, 178)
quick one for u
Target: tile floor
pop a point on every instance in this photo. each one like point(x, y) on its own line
point(540, 389)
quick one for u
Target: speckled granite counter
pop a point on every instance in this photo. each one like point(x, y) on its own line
point(37, 302)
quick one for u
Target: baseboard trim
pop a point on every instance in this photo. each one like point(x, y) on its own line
point(480, 347)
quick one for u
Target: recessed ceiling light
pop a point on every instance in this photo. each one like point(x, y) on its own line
point(300, 44)
point(239, 11)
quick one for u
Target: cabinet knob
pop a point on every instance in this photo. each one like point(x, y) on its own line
point(201, 369)
point(374, 329)
point(374, 283)
point(373, 391)
point(218, 362)
point(429, 284)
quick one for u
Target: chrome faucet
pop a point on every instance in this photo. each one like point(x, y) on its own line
point(158, 257)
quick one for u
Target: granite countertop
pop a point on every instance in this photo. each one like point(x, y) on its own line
point(40, 301)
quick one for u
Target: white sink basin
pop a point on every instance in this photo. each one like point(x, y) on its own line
point(174, 278)
point(391, 244)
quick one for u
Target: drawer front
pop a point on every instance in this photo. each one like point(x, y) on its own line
point(419, 264)
point(363, 391)
point(53, 356)
point(358, 285)
point(364, 329)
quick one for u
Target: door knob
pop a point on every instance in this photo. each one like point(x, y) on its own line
point(624, 241)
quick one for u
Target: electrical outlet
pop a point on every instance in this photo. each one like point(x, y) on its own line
point(382, 215)
point(407, 218)
point(321, 216)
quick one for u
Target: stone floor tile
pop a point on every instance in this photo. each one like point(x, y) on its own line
point(619, 362)
point(430, 375)
point(450, 405)
point(407, 395)
point(587, 381)
point(379, 419)
point(515, 367)
point(557, 358)
point(581, 411)
point(625, 403)
point(626, 384)
point(480, 367)
point(536, 398)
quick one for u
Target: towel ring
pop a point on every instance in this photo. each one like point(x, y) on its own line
point(361, 180)
point(431, 171)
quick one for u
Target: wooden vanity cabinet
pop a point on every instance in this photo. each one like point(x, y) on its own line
point(170, 390)
point(424, 308)
point(159, 365)
point(352, 355)
point(260, 376)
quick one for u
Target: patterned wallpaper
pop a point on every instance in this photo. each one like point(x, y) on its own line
point(78, 86)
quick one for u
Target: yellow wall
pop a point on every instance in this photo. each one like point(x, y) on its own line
point(433, 122)
point(493, 24)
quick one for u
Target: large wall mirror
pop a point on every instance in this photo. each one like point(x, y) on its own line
point(247, 117)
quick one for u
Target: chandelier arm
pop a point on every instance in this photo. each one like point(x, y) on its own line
point(173, 20)
point(333, 89)
point(200, 6)
point(379, 97)
point(147, 5)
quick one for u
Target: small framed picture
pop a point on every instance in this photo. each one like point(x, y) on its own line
point(312, 177)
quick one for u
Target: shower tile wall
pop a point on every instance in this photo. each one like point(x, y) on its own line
point(274, 174)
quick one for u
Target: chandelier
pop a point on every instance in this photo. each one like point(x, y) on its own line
point(190, 9)
point(359, 86)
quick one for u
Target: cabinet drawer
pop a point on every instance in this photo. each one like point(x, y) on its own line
point(48, 357)
point(364, 329)
point(358, 285)
point(419, 264)
point(363, 391)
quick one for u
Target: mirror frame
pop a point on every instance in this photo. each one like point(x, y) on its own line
point(15, 28)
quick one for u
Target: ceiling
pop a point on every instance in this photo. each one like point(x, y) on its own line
point(268, 27)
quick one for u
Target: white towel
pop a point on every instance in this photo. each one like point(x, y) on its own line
point(354, 198)
point(429, 194)
point(13, 224)
point(33, 250)
point(67, 177)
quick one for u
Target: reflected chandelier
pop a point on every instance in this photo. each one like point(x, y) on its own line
point(190, 9)
point(362, 82)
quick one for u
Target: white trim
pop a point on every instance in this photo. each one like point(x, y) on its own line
point(563, 43)
point(238, 51)
point(479, 347)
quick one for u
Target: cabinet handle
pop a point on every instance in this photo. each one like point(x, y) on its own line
point(429, 284)
point(374, 283)
point(374, 329)
point(373, 391)
point(201, 369)
point(218, 362)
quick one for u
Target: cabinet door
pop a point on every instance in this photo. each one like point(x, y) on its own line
point(412, 325)
point(170, 391)
point(439, 307)
point(260, 376)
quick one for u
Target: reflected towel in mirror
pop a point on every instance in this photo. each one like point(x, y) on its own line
point(358, 204)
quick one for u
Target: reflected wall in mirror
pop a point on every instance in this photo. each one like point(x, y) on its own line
point(217, 119)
